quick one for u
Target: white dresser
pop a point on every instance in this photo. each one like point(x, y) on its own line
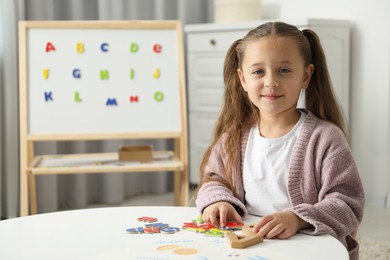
point(206, 46)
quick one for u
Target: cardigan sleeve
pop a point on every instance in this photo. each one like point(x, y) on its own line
point(215, 191)
point(331, 196)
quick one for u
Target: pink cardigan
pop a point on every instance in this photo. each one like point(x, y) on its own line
point(324, 184)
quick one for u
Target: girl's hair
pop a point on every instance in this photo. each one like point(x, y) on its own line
point(239, 114)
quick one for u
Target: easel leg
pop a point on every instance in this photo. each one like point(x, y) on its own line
point(176, 187)
point(184, 188)
point(32, 192)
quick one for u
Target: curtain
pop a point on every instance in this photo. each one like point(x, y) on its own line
point(75, 191)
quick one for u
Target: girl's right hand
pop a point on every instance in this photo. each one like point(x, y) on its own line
point(218, 213)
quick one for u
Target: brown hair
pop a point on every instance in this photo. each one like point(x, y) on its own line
point(239, 114)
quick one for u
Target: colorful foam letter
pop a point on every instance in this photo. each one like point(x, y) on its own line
point(45, 73)
point(76, 73)
point(80, 47)
point(77, 97)
point(103, 74)
point(133, 99)
point(48, 96)
point(132, 73)
point(134, 47)
point(104, 47)
point(50, 47)
point(111, 102)
point(157, 48)
point(156, 73)
point(159, 96)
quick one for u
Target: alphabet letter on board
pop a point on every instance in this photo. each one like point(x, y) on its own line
point(134, 47)
point(50, 47)
point(45, 73)
point(103, 74)
point(76, 73)
point(104, 47)
point(157, 48)
point(80, 47)
point(48, 96)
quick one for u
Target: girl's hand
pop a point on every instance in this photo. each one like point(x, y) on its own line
point(218, 213)
point(283, 224)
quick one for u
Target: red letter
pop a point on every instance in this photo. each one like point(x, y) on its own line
point(50, 47)
point(157, 48)
point(133, 99)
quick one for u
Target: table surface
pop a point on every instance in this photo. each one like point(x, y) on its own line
point(101, 234)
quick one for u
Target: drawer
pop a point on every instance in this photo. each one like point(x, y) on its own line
point(204, 67)
point(205, 97)
point(205, 82)
point(201, 127)
point(196, 155)
point(213, 41)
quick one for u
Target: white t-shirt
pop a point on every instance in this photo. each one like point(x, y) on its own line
point(265, 174)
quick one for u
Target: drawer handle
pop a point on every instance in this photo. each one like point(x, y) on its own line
point(213, 42)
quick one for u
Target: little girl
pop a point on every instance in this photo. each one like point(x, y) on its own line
point(293, 167)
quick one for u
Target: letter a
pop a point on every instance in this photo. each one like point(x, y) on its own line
point(50, 47)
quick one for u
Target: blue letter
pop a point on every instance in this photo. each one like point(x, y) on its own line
point(48, 96)
point(76, 73)
point(111, 102)
point(104, 47)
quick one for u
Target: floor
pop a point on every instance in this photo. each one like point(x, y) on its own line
point(375, 225)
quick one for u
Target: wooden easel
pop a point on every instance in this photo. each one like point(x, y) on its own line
point(175, 161)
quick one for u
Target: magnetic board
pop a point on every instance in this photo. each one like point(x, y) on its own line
point(102, 77)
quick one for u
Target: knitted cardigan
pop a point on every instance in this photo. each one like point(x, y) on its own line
point(323, 183)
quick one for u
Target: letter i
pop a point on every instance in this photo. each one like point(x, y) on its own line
point(132, 73)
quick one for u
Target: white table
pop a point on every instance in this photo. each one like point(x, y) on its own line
point(101, 234)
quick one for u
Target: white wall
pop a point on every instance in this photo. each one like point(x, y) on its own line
point(370, 80)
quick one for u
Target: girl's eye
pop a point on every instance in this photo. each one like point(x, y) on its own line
point(284, 70)
point(258, 72)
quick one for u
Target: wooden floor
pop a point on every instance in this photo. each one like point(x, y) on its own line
point(375, 225)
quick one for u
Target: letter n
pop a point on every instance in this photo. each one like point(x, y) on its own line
point(133, 99)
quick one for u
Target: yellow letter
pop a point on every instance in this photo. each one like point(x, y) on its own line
point(156, 74)
point(80, 47)
point(45, 73)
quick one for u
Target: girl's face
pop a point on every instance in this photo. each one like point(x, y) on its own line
point(273, 74)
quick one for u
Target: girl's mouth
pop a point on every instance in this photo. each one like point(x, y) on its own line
point(271, 96)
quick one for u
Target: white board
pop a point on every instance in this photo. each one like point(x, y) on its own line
point(97, 80)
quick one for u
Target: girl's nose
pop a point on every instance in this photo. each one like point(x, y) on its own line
point(271, 82)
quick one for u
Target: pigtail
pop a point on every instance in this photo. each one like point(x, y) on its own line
point(236, 111)
point(320, 98)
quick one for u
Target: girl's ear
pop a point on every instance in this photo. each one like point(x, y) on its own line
point(242, 78)
point(308, 73)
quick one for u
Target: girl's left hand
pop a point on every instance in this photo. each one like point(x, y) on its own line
point(283, 224)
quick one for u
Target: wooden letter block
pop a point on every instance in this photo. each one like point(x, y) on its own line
point(248, 238)
point(135, 153)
